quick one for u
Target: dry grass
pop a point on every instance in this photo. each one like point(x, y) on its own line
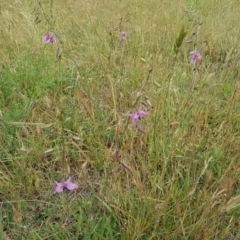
point(64, 112)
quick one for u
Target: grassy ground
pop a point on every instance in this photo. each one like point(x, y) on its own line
point(64, 113)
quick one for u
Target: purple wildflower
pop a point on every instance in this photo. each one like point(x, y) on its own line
point(68, 220)
point(49, 38)
point(124, 35)
point(67, 184)
point(195, 56)
point(136, 117)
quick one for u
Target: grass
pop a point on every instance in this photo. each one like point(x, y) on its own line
point(64, 113)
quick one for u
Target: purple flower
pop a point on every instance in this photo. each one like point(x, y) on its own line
point(136, 117)
point(68, 185)
point(49, 38)
point(68, 220)
point(124, 35)
point(195, 56)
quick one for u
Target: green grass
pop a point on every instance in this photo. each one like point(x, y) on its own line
point(64, 113)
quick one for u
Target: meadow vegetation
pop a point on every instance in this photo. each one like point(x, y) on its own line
point(67, 110)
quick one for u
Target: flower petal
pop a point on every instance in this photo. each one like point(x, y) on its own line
point(59, 188)
point(124, 35)
point(49, 38)
point(68, 220)
point(195, 56)
point(141, 113)
point(70, 185)
point(46, 39)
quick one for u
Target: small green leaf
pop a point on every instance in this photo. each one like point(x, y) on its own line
point(179, 40)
